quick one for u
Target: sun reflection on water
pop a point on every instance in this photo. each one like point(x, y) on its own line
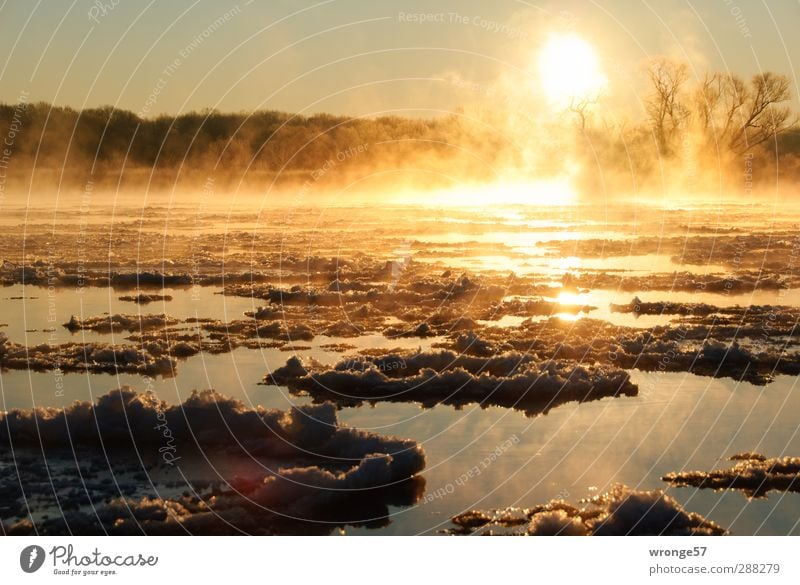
point(550, 192)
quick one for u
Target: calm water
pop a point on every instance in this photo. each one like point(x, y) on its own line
point(679, 421)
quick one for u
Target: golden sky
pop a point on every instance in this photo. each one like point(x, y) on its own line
point(358, 57)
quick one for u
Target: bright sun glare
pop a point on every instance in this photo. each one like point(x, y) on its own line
point(558, 191)
point(569, 69)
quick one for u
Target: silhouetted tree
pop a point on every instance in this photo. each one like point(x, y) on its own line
point(665, 107)
point(738, 117)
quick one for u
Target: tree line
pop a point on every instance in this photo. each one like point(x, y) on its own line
point(685, 118)
point(101, 141)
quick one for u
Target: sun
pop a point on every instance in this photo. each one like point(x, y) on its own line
point(570, 70)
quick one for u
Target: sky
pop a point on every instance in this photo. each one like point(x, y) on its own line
point(359, 58)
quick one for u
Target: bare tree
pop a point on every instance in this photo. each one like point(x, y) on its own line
point(582, 107)
point(665, 108)
point(720, 99)
point(763, 118)
point(737, 117)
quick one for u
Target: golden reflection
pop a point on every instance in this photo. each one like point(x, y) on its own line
point(553, 192)
point(568, 316)
point(569, 263)
point(570, 298)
